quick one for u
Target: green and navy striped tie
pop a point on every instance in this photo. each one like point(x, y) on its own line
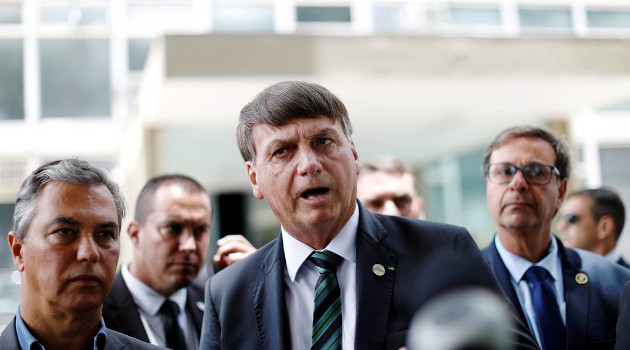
point(326, 332)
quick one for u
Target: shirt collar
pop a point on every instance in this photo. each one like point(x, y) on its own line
point(27, 340)
point(614, 255)
point(343, 244)
point(517, 266)
point(147, 299)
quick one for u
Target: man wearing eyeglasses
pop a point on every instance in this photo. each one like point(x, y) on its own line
point(569, 297)
point(592, 219)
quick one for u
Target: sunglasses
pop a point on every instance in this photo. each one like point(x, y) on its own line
point(570, 218)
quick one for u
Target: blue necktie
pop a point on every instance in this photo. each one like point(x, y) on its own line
point(326, 331)
point(548, 320)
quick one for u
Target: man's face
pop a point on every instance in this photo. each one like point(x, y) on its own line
point(577, 226)
point(518, 205)
point(69, 255)
point(169, 249)
point(307, 171)
point(390, 193)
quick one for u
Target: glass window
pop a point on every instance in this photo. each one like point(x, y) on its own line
point(242, 18)
point(461, 15)
point(323, 14)
point(12, 81)
point(545, 18)
point(138, 51)
point(6, 217)
point(608, 19)
point(74, 15)
point(9, 290)
point(387, 16)
point(75, 77)
point(476, 215)
point(615, 174)
point(10, 14)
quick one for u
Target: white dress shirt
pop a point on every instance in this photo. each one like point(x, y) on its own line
point(149, 303)
point(300, 277)
point(517, 266)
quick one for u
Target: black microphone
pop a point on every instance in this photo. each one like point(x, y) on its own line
point(461, 309)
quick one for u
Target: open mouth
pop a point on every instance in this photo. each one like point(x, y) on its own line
point(315, 192)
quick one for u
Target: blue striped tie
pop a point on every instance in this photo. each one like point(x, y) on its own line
point(326, 331)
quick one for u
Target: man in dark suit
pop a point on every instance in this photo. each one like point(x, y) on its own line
point(65, 244)
point(170, 236)
point(569, 297)
point(593, 219)
point(338, 275)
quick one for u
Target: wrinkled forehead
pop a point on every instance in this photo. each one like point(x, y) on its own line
point(381, 183)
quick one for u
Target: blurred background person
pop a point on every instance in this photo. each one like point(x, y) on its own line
point(387, 186)
point(593, 219)
point(153, 297)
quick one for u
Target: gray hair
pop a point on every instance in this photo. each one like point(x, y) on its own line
point(68, 170)
point(282, 102)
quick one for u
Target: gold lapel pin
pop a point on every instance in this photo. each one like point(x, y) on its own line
point(378, 269)
point(581, 278)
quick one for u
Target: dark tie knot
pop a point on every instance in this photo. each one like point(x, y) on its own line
point(325, 260)
point(169, 308)
point(537, 274)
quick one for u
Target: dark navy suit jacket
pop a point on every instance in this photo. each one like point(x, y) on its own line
point(120, 312)
point(591, 308)
point(245, 303)
point(115, 340)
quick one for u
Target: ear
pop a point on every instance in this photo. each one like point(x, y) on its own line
point(134, 232)
point(562, 191)
point(253, 180)
point(355, 155)
point(420, 205)
point(605, 227)
point(16, 246)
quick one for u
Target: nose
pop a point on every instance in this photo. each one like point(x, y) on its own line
point(518, 181)
point(187, 241)
point(390, 208)
point(308, 163)
point(87, 249)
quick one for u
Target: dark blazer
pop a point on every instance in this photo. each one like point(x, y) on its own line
point(591, 308)
point(245, 303)
point(623, 324)
point(623, 263)
point(121, 312)
point(115, 340)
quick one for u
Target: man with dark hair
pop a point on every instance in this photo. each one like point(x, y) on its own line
point(65, 244)
point(153, 298)
point(338, 276)
point(386, 186)
point(592, 219)
point(568, 297)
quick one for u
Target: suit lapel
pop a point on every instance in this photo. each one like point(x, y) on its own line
point(269, 302)
point(123, 311)
point(502, 274)
point(193, 297)
point(575, 297)
point(8, 338)
point(374, 293)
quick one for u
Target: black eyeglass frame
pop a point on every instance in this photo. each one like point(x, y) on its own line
point(522, 169)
